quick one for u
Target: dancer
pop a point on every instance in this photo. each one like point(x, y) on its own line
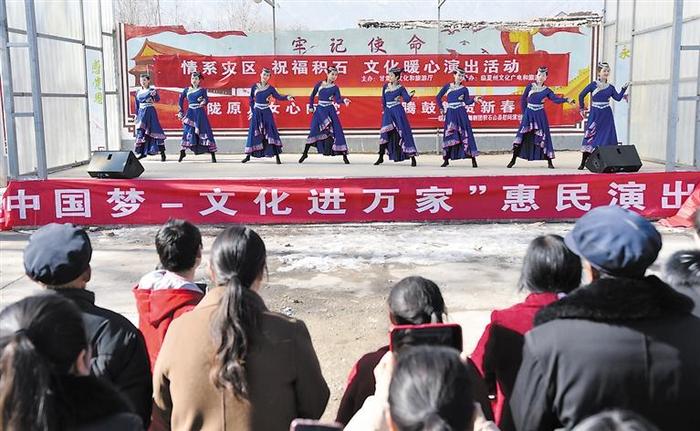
point(263, 137)
point(196, 131)
point(150, 138)
point(600, 126)
point(395, 136)
point(458, 138)
point(534, 141)
point(326, 133)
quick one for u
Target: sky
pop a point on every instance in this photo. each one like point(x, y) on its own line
point(333, 14)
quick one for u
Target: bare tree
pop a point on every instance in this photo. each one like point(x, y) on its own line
point(138, 12)
point(243, 15)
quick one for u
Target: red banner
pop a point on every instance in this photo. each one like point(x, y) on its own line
point(332, 200)
point(503, 70)
point(233, 112)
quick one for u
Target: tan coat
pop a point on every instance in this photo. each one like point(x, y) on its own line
point(284, 376)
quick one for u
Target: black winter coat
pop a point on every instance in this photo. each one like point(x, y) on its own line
point(118, 351)
point(89, 404)
point(616, 343)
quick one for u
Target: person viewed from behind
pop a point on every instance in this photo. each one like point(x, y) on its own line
point(549, 269)
point(45, 381)
point(422, 388)
point(57, 257)
point(626, 339)
point(682, 272)
point(167, 293)
point(412, 301)
point(231, 364)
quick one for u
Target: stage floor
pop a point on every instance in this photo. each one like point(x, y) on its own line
point(229, 166)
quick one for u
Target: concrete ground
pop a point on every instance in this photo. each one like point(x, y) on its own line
point(336, 277)
point(361, 165)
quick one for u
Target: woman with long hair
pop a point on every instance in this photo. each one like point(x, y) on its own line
point(45, 381)
point(231, 364)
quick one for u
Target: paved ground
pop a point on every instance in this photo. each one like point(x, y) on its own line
point(361, 165)
point(336, 277)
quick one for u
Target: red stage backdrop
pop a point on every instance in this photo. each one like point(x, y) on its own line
point(487, 70)
point(332, 200)
point(363, 112)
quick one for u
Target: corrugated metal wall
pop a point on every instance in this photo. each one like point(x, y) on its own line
point(76, 42)
point(642, 30)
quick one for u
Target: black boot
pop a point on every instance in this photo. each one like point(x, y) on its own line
point(382, 150)
point(213, 157)
point(445, 162)
point(516, 153)
point(413, 161)
point(345, 159)
point(584, 157)
point(550, 165)
point(277, 158)
point(474, 165)
point(247, 159)
point(306, 153)
point(182, 155)
point(162, 155)
point(142, 156)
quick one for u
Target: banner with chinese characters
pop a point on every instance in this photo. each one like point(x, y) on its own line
point(292, 71)
point(499, 60)
point(362, 112)
point(336, 200)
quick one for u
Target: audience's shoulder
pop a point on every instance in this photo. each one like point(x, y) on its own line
point(116, 321)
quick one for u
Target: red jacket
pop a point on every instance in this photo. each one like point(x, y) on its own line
point(159, 305)
point(360, 385)
point(499, 352)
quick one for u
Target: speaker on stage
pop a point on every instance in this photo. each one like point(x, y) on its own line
point(614, 158)
point(114, 164)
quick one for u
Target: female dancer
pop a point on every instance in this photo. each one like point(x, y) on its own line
point(326, 133)
point(150, 138)
point(600, 126)
point(263, 137)
point(196, 131)
point(534, 141)
point(458, 139)
point(395, 134)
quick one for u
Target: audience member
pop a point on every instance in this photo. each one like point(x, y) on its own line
point(232, 364)
point(165, 294)
point(549, 269)
point(58, 257)
point(625, 340)
point(45, 382)
point(422, 388)
point(682, 272)
point(412, 301)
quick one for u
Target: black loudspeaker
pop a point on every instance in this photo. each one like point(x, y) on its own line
point(114, 164)
point(614, 158)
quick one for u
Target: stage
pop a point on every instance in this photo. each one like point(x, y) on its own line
point(229, 166)
point(325, 190)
